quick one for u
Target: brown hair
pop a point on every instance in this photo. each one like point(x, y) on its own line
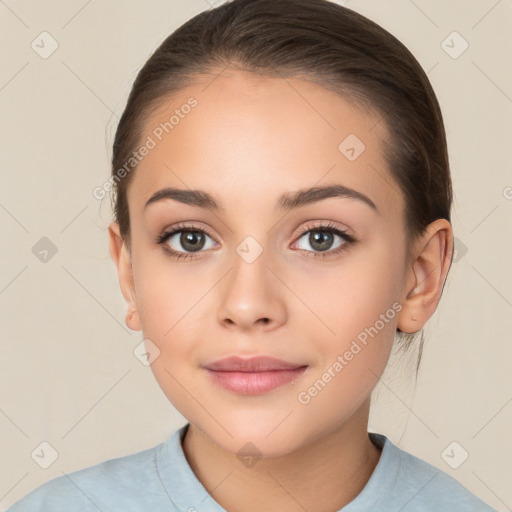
point(331, 45)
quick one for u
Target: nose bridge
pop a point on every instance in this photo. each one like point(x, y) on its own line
point(251, 292)
point(250, 273)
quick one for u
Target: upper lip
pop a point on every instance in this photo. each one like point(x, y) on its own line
point(251, 364)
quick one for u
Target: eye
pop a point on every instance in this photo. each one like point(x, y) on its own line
point(322, 239)
point(183, 241)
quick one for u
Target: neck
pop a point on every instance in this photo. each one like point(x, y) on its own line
point(324, 475)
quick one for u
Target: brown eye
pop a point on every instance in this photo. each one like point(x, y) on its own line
point(322, 239)
point(192, 240)
point(186, 240)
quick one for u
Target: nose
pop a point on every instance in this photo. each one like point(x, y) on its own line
point(252, 297)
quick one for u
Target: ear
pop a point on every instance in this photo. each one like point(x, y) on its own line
point(432, 258)
point(122, 259)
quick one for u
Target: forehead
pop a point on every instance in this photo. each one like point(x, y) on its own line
point(255, 136)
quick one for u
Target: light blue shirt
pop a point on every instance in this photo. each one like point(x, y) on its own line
point(160, 479)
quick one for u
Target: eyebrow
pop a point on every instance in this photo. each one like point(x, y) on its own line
point(287, 201)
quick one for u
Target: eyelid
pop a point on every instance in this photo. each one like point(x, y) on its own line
point(166, 233)
point(324, 225)
point(321, 224)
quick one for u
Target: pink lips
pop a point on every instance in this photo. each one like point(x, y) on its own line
point(253, 376)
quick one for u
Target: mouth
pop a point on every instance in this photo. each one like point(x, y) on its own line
point(255, 375)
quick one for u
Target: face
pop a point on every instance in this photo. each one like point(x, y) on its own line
point(315, 282)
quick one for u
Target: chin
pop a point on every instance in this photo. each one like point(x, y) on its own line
point(257, 434)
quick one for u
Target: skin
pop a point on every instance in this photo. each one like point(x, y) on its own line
point(250, 139)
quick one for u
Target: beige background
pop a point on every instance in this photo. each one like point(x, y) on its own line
point(67, 372)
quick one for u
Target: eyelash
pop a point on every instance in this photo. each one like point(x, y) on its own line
point(326, 228)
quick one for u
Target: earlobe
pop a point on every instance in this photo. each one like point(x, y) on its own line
point(122, 259)
point(132, 318)
point(426, 276)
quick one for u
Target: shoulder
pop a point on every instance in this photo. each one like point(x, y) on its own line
point(125, 483)
point(424, 487)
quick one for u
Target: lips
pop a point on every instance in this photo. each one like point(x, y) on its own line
point(252, 364)
point(254, 375)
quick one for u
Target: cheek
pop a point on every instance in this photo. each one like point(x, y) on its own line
point(353, 359)
point(167, 296)
point(175, 305)
point(360, 306)
point(169, 301)
point(356, 295)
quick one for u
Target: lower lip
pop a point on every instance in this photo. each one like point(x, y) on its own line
point(255, 383)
